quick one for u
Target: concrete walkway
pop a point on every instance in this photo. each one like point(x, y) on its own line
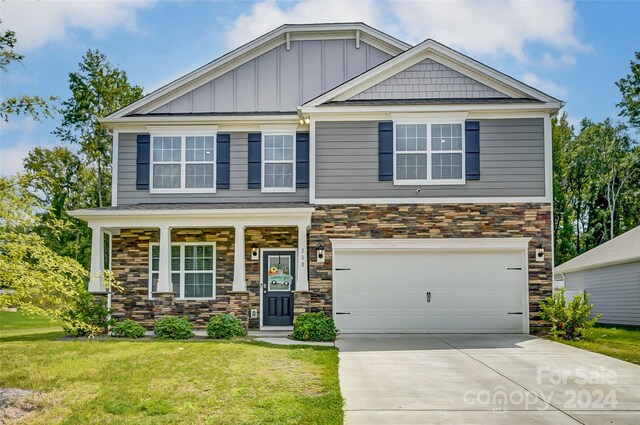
point(482, 379)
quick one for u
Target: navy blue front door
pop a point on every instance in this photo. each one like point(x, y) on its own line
point(278, 282)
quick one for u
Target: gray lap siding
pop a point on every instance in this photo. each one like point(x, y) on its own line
point(512, 159)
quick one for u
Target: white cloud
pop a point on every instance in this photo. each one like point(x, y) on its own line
point(547, 86)
point(560, 60)
point(491, 27)
point(38, 23)
point(267, 15)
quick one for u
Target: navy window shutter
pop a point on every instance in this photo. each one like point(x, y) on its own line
point(255, 165)
point(385, 151)
point(143, 154)
point(223, 145)
point(302, 159)
point(472, 150)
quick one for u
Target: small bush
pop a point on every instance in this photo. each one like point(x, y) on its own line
point(89, 317)
point(568, 320)
point(127, 329)
point(173, 327)
point(225, 326)
point(314, 327)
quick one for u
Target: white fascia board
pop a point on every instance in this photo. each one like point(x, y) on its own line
point(449, 57)
point(363, 109)
point(428, 201)
point(279, 128)
point(345, 244)
point(386, 115)
point(568, 270)
point(182, 129)
point(127, 123)
point(247, 52)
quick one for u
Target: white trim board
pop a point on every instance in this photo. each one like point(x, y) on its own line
point(430, 243)
point(419, 201)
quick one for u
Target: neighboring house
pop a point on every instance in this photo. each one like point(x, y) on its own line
point(333, 168)
point(610, 273)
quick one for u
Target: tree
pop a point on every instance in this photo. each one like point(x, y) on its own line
point(56, 177)
point(611, 162)
point(35, 107)
point(630, 90)
point(97, 89)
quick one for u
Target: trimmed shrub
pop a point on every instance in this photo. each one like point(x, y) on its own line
point(568, 320)
point(173, 327)
point(314, 327)
point(127, 329)
point(225, 326)
point(89, 317)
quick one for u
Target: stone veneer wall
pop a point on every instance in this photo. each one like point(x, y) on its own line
point(432, 221)
point(130, 265)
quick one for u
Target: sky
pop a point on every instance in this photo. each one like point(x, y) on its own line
point(575, 51)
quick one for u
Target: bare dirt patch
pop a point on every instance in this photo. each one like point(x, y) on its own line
point(16, 403)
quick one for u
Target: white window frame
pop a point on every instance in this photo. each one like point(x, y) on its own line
point(263, 161)
point(429, 180)
point(182, 271)
point(183, 134)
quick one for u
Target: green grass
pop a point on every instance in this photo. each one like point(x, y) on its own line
point(16, 324)
point(161, 382)
point(615, 341)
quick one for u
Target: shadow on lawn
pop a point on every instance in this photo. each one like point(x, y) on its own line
point(33, 337)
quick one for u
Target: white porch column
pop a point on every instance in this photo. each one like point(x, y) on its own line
point(302, 274)
point(96, 284)
point(239, 281)
point(164, 273)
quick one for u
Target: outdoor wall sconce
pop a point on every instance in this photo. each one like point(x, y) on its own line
point(540, 253)
point(254, 252)
point(320, 254)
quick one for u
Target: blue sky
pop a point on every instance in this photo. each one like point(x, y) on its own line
point(572, 50)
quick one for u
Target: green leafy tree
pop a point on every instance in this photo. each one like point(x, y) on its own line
point(35, 107)
point(629, 87)
point(56, 177)
point(97, 90)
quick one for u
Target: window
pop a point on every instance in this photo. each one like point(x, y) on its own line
point(429, 153)
point(192, 270)
point(183, 163)
point(278, 165)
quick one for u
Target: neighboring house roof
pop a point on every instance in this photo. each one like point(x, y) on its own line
point(431, 49)
point(622, 249)
point(249, 51)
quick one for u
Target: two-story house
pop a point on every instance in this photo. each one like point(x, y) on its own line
point(332, 168)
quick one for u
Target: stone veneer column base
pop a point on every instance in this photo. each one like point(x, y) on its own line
point(163, 304)
point(301, 303)
point(239, 306)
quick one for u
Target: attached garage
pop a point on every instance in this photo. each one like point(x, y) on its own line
point(430, 285)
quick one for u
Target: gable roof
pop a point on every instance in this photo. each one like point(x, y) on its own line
point(249, 51)
point(622, 249)
point(431, 49)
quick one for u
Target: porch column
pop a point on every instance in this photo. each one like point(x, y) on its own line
point(239, 281)
point(164, 273)
point(96, 285)
point(302, 274)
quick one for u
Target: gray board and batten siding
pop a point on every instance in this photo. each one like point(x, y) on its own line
point(614, 290)
point(511, 162)
point(280, 79)
point(429, 79)
point(238, 191)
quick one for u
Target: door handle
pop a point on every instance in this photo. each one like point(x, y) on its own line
point(428, 297)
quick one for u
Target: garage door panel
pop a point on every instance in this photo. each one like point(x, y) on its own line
point(386, 291)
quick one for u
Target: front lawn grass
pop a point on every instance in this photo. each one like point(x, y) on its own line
point(15, 324)
point(159, 382)
point(615, 341)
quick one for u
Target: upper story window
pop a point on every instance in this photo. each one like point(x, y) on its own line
point(278, 163)
point(183, 163)
point(429, 153)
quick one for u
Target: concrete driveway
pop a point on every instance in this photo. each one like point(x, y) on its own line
point(482, 379)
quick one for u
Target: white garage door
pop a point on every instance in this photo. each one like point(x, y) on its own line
point(429, 291)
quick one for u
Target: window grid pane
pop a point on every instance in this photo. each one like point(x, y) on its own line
point(411, 166)
point(199, 176)
point(411, 138)
point(199, 148)
point(446, 137)
point(447, 166)
point(166, 176)
point(166, 149)
point(198, 270)
point(278, 175)
point(278, 161)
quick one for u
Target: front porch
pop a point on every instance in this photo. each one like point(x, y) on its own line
point(199, 262)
